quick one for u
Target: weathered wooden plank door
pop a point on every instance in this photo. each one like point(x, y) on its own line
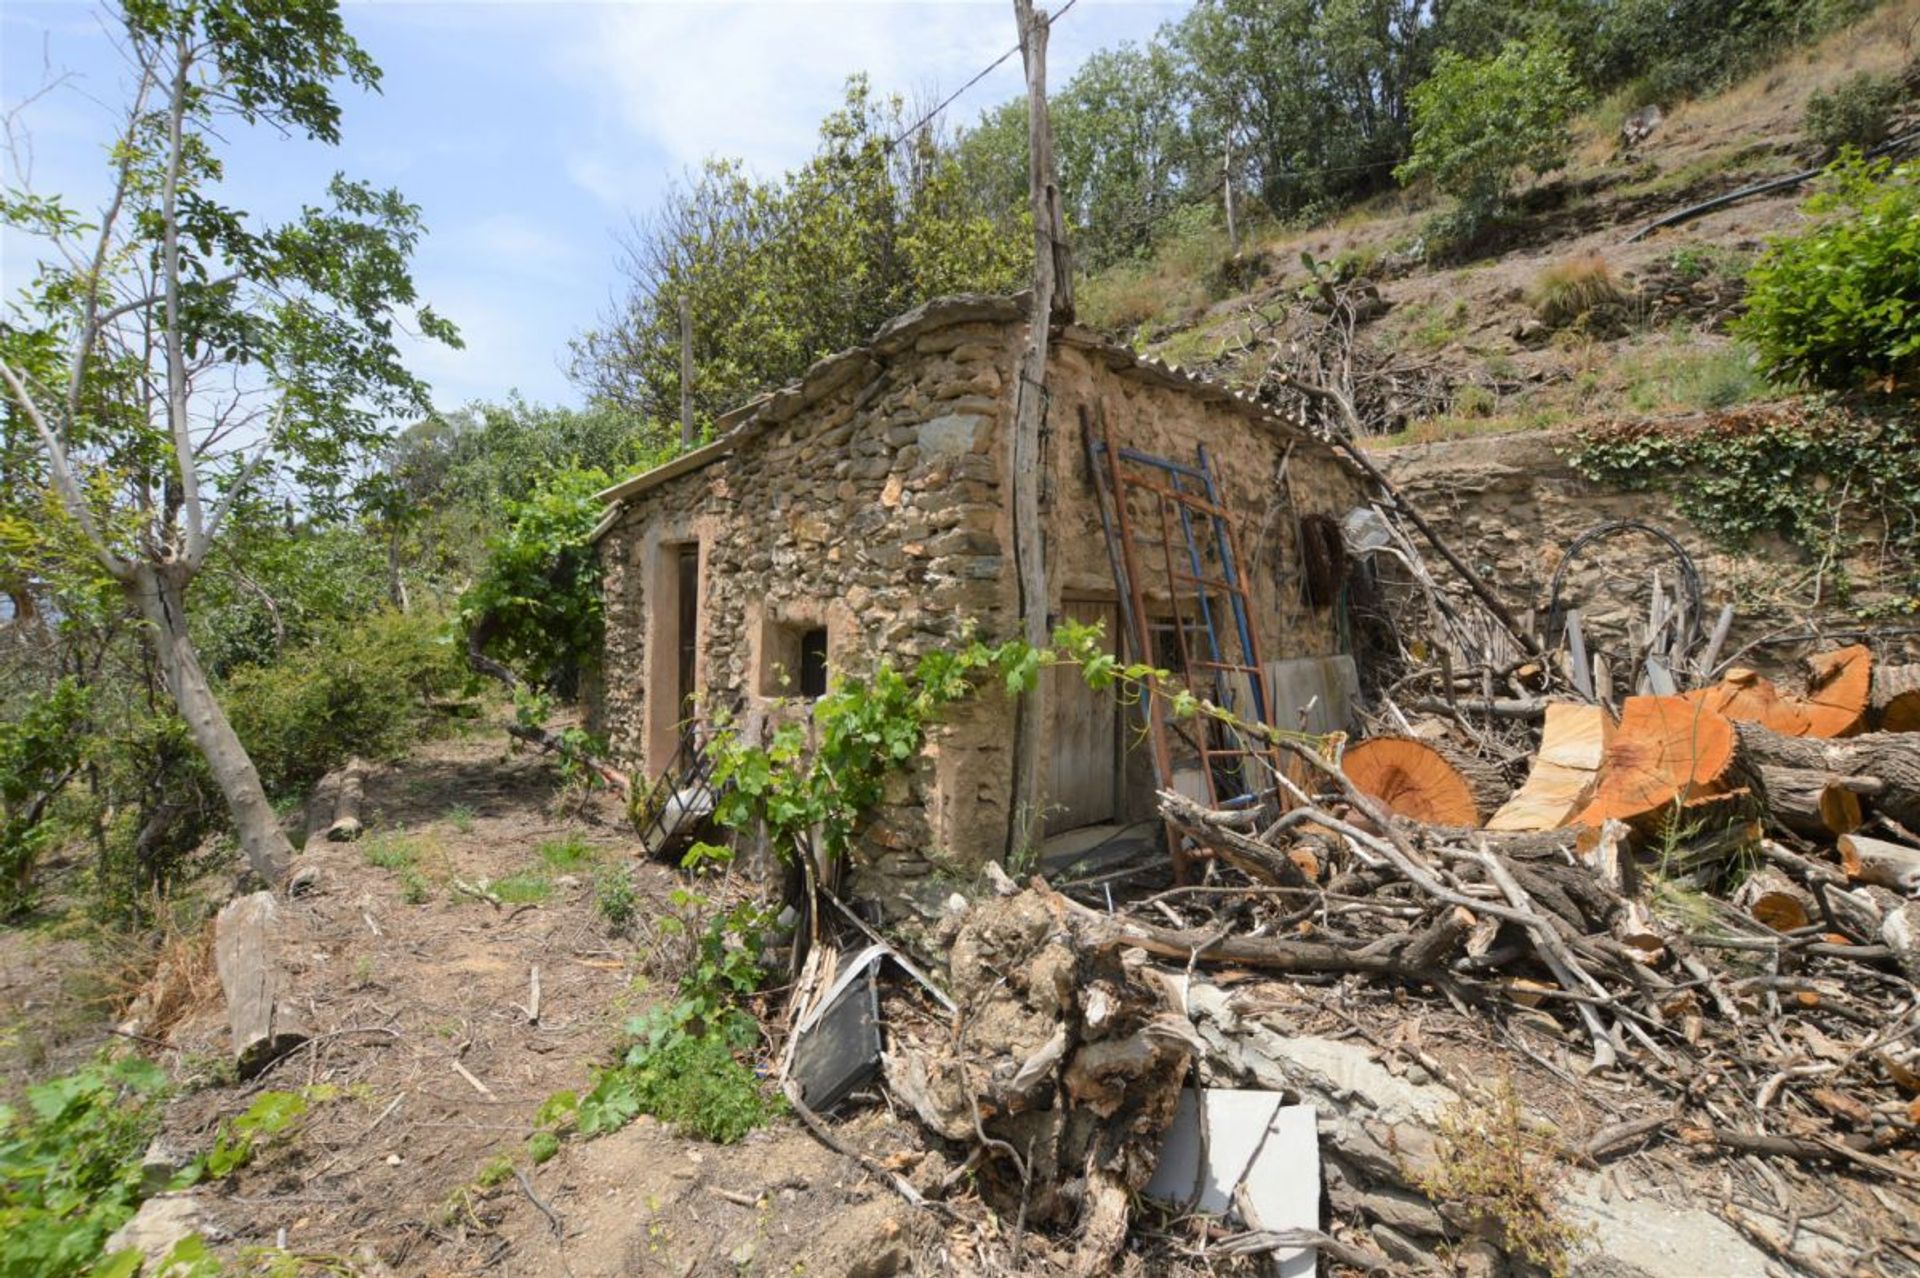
point(1083, 766)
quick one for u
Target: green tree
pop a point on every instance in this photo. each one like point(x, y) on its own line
point(781, 273)
point(1313, 94)
point(1478, 122)
point(177, 353)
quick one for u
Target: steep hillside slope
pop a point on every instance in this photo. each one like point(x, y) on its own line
point(1472, 351)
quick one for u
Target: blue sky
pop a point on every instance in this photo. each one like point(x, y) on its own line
point(530, 132)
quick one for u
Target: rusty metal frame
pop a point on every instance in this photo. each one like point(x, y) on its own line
point(1114, 482)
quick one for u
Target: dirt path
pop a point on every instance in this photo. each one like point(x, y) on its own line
point(426, 1072)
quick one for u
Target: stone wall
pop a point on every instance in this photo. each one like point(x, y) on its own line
point(870, 502)
point(1511, 505)
point(875, 511)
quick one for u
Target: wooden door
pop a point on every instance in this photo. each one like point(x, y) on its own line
point(1083, 764)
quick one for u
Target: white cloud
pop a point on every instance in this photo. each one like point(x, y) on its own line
point(512, 244)
point(752, 80)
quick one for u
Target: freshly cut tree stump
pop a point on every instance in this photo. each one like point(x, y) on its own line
point(1666, 751)
point(1412, 779)
point(1573, 741)
point(1896, 698)
point(245, 942)
point(1839, 687)
point(1817, 804)
point(1888, 865)
point(1744, 695)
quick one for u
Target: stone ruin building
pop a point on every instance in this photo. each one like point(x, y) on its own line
point(863, 514)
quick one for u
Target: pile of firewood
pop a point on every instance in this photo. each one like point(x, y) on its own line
point(1717, 885)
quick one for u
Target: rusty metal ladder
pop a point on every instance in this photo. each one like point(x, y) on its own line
point(1198, 571)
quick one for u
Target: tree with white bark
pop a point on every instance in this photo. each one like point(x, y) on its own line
point(176, 357)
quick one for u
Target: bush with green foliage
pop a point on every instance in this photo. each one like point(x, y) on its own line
point(360, 689)
point(1858, 113)
point(684, 1066)
point(1839, 303)
point(40, 750)
point(536, 606)
point(1478, 122)
point(70, 1165)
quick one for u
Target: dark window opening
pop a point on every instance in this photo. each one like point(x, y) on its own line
point(813, 663)
point(688, 636)
point(793, 659)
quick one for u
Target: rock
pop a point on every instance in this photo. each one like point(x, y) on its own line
point(162, 1222)
point(1658, 1239)
point(159, 1165)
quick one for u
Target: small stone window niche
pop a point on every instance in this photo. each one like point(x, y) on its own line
point(793, 660)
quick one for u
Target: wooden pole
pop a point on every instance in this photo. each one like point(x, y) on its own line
point(1226, 188)
point(687, 432)
point(1052, 292)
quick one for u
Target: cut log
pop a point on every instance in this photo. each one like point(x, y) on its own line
point(320, 806)
point(1839, 687)
point(246, 938)
point(1572, 744)
point(1888, 865)
point(1817, 804)
point(1486, 780)
point(346, 825)
point(1900, 932)
point(1777, 901)
point(1742, 694)
point(1884, 767)
point(1412, 779)
point(1896, 698)
point(1665, 752)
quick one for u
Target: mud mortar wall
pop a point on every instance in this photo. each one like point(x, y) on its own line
point(1511, 505)
point(874, 513)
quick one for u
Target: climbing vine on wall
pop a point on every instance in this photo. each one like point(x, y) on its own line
point(1830, 481)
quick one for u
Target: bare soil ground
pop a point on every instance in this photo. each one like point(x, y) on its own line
point(425, 1069)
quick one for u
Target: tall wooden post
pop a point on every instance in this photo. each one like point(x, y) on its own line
point(1026, 464)
point(1226, 189)
point(687, 432)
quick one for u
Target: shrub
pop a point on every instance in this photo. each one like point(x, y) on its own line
point(1840, 302)
point(1858, 113)
point(359, 690)
point(1478, 122)
point(40, 749)
point(1565, 291)
point(536, 605)
point(70, 1164)
point(614, 896)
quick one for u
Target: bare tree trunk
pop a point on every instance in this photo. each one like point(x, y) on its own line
point(157, 593)
point(1052, 295)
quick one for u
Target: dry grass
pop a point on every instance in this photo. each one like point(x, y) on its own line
point(1566, 290)
point(182, 981)
point(1883, 41)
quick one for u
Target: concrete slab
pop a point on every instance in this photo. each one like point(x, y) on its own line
point(1255, 1143)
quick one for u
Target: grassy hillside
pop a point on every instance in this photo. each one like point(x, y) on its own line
point(1556, 318)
